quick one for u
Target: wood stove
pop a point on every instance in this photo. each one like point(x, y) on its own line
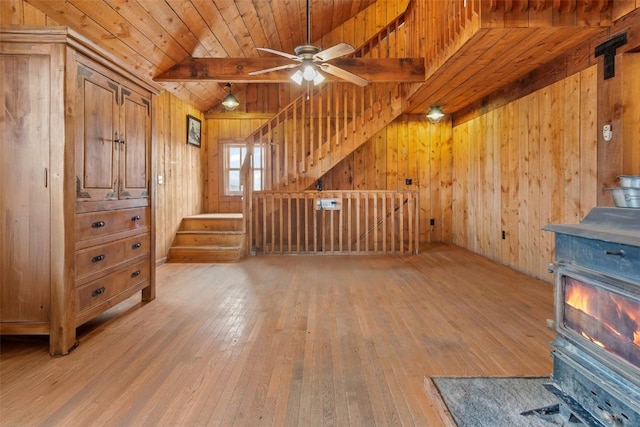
point(596, 352)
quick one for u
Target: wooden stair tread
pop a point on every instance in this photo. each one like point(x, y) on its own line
point(209, 237)
point(215, 216)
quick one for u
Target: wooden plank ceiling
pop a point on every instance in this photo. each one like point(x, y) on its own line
point(153, 35)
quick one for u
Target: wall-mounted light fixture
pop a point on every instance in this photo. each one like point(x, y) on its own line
point(435, 114)
point(230, 102)
point(309, 73)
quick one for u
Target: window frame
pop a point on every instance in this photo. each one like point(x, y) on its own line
point(227, 146)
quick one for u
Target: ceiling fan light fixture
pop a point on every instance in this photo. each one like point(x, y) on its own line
point(309, 73)
point(230, 102)
point(297, 77)
point(435, 114)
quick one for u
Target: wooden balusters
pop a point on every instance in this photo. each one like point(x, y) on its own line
point(348, 222)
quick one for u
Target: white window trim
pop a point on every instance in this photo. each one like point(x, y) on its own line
point(226, 168)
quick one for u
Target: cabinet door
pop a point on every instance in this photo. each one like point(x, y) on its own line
point(97, 136)
point(135, 128)
point(25, 254)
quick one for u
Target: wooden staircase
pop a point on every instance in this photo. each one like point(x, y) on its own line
point(212, 237)
point(325, 124)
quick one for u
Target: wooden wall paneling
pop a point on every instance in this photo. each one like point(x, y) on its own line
point(377, 160)
point(551, 180)
point(547, 162)
point(445, 168)
point(610, 157)
point(523, 176)
point(507, 182)
point(466, 185)
point(476, 221)
point(513, 180)
point(19, 12)
point(181, 165)
point(570, 163)
point(456, 185)
point(360, 170)
point(485, 174)
point(213, 169)
point(631, 114)
point(496, 194)
point(12, 12)
point(423, 179)
point(433, 181)
point(161, 111)
point(176, 164)
point(588, 140)
point(383, 11)
point(533, 224)
point(404, 165)
point(33, 16)
point(392, 158)
point(178, 149)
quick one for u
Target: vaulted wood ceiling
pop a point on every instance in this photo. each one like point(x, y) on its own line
point(153, 35)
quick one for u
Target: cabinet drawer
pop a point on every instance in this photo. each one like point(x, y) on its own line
point(101, 290)
point(108, 255)
point(96, 224)
point(610, 258)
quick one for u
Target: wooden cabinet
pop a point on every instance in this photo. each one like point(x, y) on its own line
point(112, 136)
point(76, 218)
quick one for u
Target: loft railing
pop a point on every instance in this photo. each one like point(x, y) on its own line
point(444, 26)
point(338, 222)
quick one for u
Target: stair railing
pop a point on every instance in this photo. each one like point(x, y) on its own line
point(340, 222)
point(318, 129)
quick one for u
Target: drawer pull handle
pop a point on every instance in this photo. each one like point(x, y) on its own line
point(98, 292)
point(135, 273)
point(136, 246)
point(98, 224)
point(621, 253)
point(135, 218)
point(98, 258)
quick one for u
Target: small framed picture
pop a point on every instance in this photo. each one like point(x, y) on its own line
point(194, 130)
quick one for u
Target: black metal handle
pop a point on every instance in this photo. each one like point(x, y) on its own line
point(135, 218)
point(621, 253)
point(98, 292)
point(136, 246)
point(135, 273)
point(98, 258)
point(98, 224)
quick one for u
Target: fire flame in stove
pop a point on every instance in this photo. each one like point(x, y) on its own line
point(607, 319)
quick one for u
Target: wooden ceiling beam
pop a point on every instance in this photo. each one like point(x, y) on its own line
point(237, 70)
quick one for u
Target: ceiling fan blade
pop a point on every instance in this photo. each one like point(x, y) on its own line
point(279, 67)
point(277, 52)
point(340, 49)
point(343, 74)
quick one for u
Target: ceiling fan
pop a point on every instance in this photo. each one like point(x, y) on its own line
point(311, 58)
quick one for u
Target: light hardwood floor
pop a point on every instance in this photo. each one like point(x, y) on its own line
point(287, 341)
